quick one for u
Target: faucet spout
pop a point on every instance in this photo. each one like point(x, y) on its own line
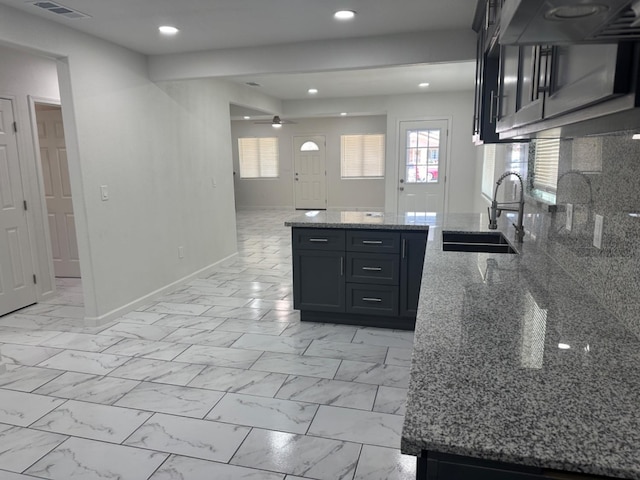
point(497, 208)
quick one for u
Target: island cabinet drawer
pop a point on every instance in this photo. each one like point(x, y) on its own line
point(377, 268)
point(317, 239)
point(375, 241)
point(372, 299)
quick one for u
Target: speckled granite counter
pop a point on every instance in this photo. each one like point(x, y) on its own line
point(366, 220)
point(514, 362)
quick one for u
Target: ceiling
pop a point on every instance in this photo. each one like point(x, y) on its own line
point(215, 24)
point(445, 77)
point(223, 24)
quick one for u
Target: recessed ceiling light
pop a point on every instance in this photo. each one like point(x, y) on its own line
point(344, 14)
point(636, 136)
point(564, 346)
point(247, 117)
point(168, 30)
point(344, 114)
point(423, 84)
point(312, 91)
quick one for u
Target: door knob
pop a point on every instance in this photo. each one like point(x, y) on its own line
point(401, 189)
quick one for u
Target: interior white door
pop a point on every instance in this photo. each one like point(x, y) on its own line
point(422, 166)
point(17, 287)
point(57, 190)
point(310, 175)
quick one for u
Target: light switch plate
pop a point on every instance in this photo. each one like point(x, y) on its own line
point(104, 193)
point(569, 217)
point(597, 231)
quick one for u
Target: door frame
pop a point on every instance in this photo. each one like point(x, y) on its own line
point(33, 100)
point(392, 168)
point(293, 164)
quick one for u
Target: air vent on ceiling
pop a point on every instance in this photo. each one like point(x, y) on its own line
point(60, 10)
point(625, 27)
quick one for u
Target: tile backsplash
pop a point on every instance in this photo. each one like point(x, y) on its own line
point(597, 176)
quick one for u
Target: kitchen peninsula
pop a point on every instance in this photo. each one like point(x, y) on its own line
point(360, 268)
point(518, 372)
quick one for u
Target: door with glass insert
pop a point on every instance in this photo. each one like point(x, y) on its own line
point(421, 179)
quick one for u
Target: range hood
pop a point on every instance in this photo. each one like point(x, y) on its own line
point(556, 22)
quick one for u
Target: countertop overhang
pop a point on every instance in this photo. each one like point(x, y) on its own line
point(364, 220)
point(514, 361)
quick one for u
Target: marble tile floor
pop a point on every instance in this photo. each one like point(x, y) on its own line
point(217, 380)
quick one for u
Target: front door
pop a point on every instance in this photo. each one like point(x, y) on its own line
point(17, 287)
point(57, 191)
point(422, 162)
point(310, 175)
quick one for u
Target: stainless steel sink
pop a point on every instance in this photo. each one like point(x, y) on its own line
point(487, 242)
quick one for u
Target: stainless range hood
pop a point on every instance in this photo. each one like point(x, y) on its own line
point(529, 22)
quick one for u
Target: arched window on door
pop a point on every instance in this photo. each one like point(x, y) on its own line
point(309, 147)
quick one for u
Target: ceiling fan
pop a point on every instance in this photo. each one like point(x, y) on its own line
point(276, 122)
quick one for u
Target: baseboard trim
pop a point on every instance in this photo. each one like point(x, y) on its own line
point(118, 312)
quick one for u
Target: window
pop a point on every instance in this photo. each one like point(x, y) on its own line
point(488, 169)
point(309, 147)
point(258, 157)
point(545, 168)
point(362, 156)
point(422, 156)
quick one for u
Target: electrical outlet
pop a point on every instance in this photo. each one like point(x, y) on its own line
point(180, 252)
point(597, 231)
point(569, 216)
point(104, 193)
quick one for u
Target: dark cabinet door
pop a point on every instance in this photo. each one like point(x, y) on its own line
point(532, 84)
point(318, 280)
point(413, 246)
point(507, 101)
point(581, 75)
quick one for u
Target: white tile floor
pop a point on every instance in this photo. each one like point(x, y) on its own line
point(218, 380)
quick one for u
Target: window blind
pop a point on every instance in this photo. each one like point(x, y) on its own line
point(488, 169)
point(362, 156)
point(545, 168)
point(258, 157)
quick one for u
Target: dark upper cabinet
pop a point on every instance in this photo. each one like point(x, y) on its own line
point(486, 95)
point(581, 75)
point(524, 89)
point(507, 101)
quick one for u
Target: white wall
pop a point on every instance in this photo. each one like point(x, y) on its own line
point(156, 147)
point(456, 107)
point(278, 192)
point(23, 75)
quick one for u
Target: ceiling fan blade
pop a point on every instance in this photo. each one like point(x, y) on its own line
point(276, 120)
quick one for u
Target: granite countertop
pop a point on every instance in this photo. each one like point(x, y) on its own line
point(364, 220)
point(513, 361)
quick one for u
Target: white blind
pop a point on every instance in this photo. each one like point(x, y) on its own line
point(488, 169)
point(258, 157)
point(545, 167)
point(362, 156)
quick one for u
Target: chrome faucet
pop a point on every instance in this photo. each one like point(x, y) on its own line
point(497, 208)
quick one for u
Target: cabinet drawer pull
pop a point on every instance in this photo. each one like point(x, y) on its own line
point(404, 248)
point(372, 242)
point(323, 240)
point(371, 299)
point(341, 266)
point(372, 269)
